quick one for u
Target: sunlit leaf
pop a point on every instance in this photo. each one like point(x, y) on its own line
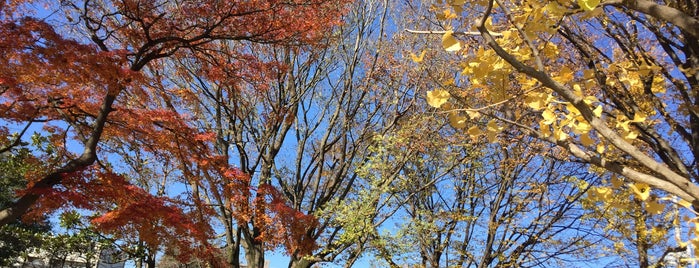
point(437, 97)
point(641, 190)
point(456, 120)
point(417, 59)
point(616, 182)
point(586, 140)
point(449, 43)
point(638, 117)
point(474, 131)
point(549, 116)
point(588, 5)
point(654, 207)
point(598, 111)
point(536, 101)
point(600, 148)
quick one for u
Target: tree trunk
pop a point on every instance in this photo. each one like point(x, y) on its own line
point(295, 262)
point(255, 255)
point(254, 250)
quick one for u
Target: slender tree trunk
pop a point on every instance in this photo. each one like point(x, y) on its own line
point(255, 255)
point(300, 263)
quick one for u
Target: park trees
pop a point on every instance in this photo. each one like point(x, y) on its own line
point(298, 141)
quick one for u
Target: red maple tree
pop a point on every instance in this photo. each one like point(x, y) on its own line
point(95, 80)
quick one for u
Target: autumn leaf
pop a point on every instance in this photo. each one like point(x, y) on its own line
point(437, 97)
point(449, 43)
point(456, 120)
point(549, 117)
point(474, 131)
point(586, 140)
point(588, 5)
point(417, 59)
point(537, 101)
point(641, 190)
point(598, 111)
point(654, 207)
point(616, 182)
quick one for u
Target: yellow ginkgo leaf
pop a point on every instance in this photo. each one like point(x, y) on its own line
point(560, 135)
point(456, 120)
point(598, 111)
point(588, 5)
point(449, 43)
point(473, 114)
point(582, 127)
point(617, 182)
point(586, 140)
point(638, 117)
point(619, 205)
point(446, 14)
point(536, 101)
point(474, 131)
point(493, 126)
point(601, 194)
point(641, 190)
point(418, 59)
point(549, 117)
point(600, 148)
point(565, 75)
point(658, 232)
point(437, 97)
point(492, 131)
point(653, 207)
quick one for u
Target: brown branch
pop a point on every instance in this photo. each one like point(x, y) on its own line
point(684, 21)
point(87, 158)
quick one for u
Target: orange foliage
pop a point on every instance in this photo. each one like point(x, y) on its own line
point(266, 208)
point(125, 210)
point(94, 89)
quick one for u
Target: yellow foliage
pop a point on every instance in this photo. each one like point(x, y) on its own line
point(474, 131)
point(586, 140)
point(617, 182)
point(537, 100)
point(437, 97)
point(418, 59)
point(654, 207)
point(449, 43)
point(456, 120)
point(641, 190)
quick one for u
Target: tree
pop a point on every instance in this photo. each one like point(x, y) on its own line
point(17, 237)
point(612, 83)
point(90, 80)
point(297, 142)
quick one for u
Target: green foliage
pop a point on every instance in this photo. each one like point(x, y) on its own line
point(17, 237)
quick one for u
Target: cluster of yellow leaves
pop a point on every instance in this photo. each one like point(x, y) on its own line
point(613, 196)
point(624, 197)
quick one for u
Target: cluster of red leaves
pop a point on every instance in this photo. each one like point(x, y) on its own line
point(254, 20)
point(266, 208)
point(127, 211)
point(44, 76)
